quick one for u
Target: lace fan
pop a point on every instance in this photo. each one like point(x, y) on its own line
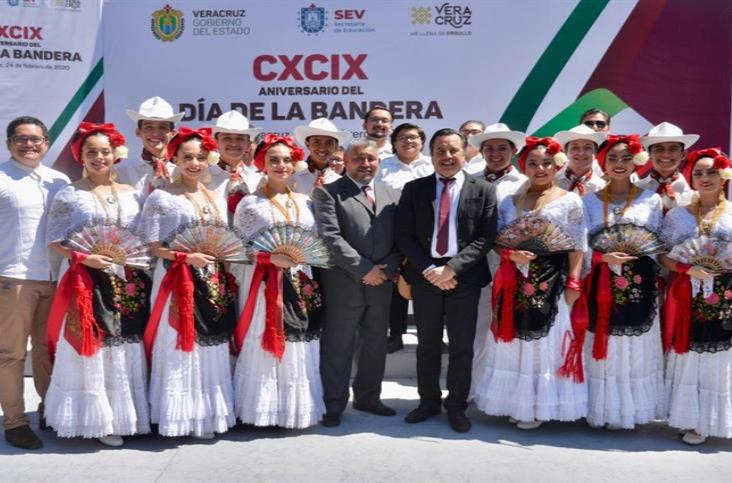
point(123, 246)
point(711, 253)
point(627, 238)
point(536, 234)
point(299, 242)
point(219, 241)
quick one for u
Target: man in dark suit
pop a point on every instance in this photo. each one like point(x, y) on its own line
point(446, 224)
point(355, 216)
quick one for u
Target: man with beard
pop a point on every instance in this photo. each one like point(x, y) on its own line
point(378, 125)
point(155, 127)
point(355, 216)
point(322, 138)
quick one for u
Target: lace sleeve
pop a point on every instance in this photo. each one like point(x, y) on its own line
point(506, 212)
point(678, 225)
point(61, 215)
point(575, 220)
point(248, 217)
point(655, 217)
point(159, 217)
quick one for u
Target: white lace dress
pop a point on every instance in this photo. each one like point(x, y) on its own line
point(520, 378)
point(190, 392)
point(699, 382)
point(105, 393)
point(626, 388)
point(271, 392)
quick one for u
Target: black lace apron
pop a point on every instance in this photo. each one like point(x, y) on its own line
point(711, 317)
point(635, 298)
point(301, 318)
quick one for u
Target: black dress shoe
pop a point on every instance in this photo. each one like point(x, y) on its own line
point(421, 413)
point(23, 437)
point(394, 344)
point(459, 422)
point(380, 409)
point(331, 420)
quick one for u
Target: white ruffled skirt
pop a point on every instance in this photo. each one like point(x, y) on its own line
point(190, 392)
point(699, 392)
point(271, 392)
point(626, 388)
point(100, 395)
point(482, 334)
point(520, 378)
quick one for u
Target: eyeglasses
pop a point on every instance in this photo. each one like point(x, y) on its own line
point(407, 138)
point(23, 140)
point(379, 120)
point(598, 124)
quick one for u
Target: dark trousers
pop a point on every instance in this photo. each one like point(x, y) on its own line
point(398, 313)
point(342, 324)
point(458, 310)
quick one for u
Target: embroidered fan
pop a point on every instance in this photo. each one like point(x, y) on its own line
point(627, 238)
point(297, 241)
point(219, 241)
point(120, 244)
point(711, 253)
point(536, 234)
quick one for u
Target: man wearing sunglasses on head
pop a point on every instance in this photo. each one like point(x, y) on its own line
point(596, 119)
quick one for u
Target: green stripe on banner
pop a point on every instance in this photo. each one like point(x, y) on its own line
point(530, 95)
point(569, 117)
point(83, 91)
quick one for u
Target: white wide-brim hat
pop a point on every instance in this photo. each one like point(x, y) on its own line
point(155, 109)
point(321, 127)
point(668, 133)
point(579, 132)
point(234, 122)
point(498, 131)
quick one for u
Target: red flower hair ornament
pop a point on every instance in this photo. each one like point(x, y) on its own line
point(552, 147)
point(207, 142)
point(721, 162)
point(86, 129)
point(640, 155)
point(296, 153)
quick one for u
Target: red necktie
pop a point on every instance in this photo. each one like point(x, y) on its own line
point(367, 191)
point(443, 220)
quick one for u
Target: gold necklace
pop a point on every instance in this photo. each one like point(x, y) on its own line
point(111, 199)
point(204, 211)
point(619, 213)
point(543, 199)
point(705, 226)
point(284, 210)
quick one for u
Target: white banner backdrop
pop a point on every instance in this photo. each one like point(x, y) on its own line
point(284, 63)
point(49, 50)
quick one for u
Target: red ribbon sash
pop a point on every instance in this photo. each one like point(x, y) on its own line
point(179, 281)
point(504, 289)
point(76, 285)
point(573, 366)
point(604, 298)
point(677, 314)
point(273, 340)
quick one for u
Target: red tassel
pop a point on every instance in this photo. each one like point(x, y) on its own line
point(76, 284)
point(178, 278)
point(273, 339)
point(504, 290)
point(604, 298)
point(573, 366)
point(677, 314)
point(232, 200)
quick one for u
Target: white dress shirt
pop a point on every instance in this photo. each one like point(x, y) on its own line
point(386, 150)
point(475, 165)
point(681, 188)
point(397, 173)
point(509, 184)
point(593, 185)
point(304, 181)
point(138, 173)
point(25, 197)
point(455, 188)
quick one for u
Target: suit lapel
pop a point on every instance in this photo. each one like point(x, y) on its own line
point(430, 196)
point(358, 194)
point(465, 193)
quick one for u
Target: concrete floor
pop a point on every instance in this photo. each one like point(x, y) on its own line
point(369, 448)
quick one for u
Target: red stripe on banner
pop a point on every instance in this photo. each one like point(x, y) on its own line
point(65, 161)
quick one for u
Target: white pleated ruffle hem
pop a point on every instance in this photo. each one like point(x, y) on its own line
point(699, 392)
point(271, 392)
point(521, 378)
point(100, 395)
point(626, 388)
point(190, 392)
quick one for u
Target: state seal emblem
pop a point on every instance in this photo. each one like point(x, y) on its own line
point(167, 24)
point(312, 19)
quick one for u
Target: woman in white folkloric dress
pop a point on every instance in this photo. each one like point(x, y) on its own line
point(188, 337)
point(623, 352)
point(277, 376)
point(99, 381)
point(698, 326)
point(531, 324)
